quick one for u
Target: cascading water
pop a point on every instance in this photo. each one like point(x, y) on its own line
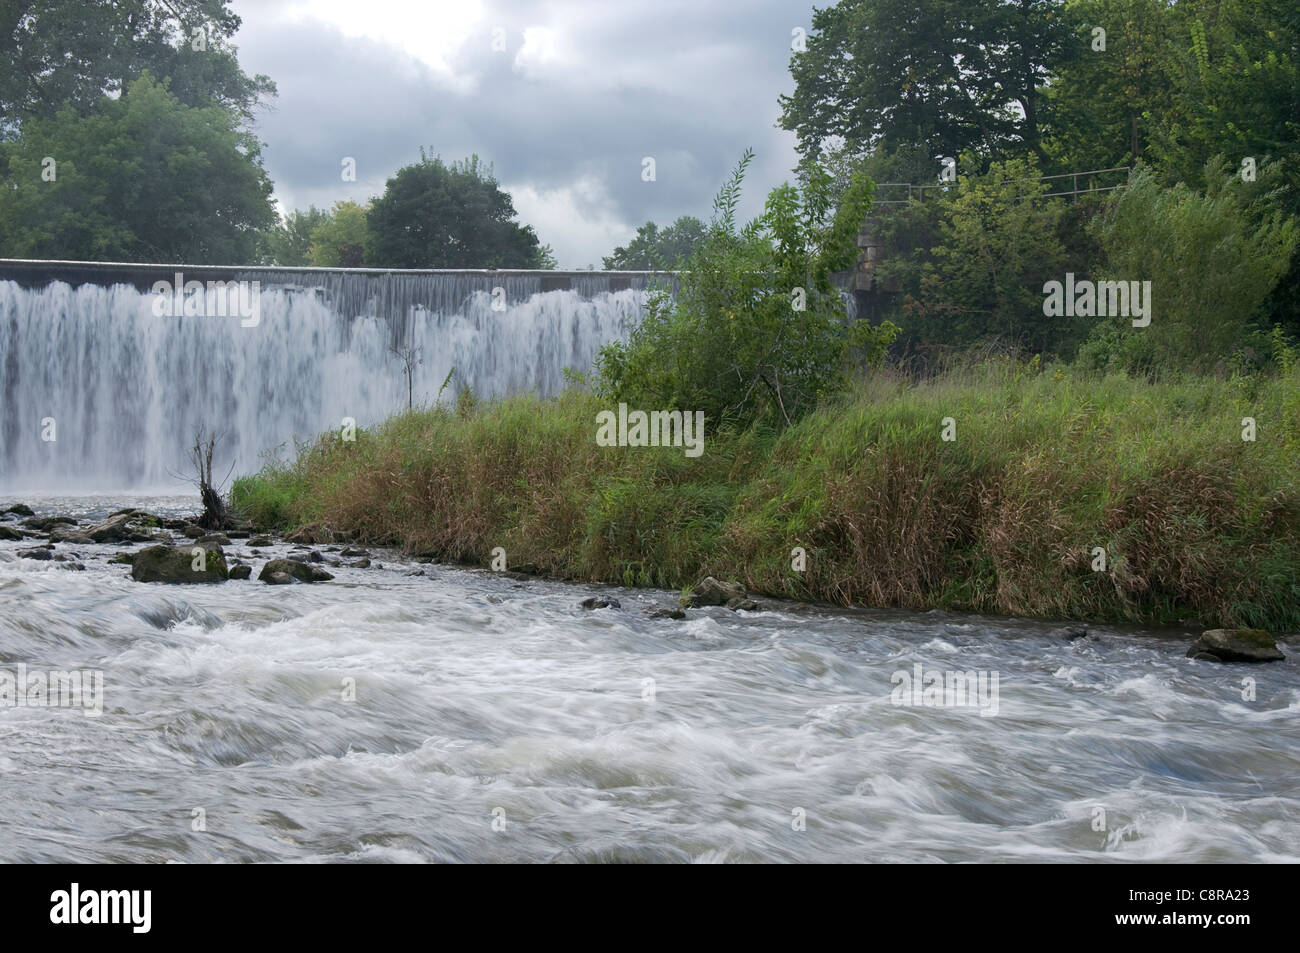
point(101, 394)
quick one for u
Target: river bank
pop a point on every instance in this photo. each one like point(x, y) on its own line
point(1059, 497)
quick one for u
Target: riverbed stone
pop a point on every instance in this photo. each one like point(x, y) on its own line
point(241, 572)
point(294, 569)
point(43, 523)
point(220, 539)
point(175, 565)
point(711, 592)
point(277, 579)
point(261, 541)
point(666, 612)
point(69, 534)
point(115, 529)
point(743, 605)
point(20, 509)
point(7, 533)
point(1236, 645)
point(600, 602)
point(42, 553)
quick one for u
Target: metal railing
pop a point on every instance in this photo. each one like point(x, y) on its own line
point(919, 191)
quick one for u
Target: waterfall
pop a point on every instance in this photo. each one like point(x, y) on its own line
point(101, 394)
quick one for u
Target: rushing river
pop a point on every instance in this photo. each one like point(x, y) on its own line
point(495, 720)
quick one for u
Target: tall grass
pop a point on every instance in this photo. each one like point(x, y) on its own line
point(1047, 465)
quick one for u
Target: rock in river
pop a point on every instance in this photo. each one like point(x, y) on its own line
point(1236, 645)
point(294, 569)
point(178, 565)
point(710, 592)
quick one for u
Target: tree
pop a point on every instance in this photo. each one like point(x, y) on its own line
point(1210, 260)
point(434, 215)
point(343, 239)
point(142, 178)
point(757, 331)
point(1106, 101)
point(288, 243)
point(653, 250)
point(991, 243)
point(69, 53)
point(956, 76)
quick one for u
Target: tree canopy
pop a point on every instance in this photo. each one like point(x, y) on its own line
point(62, 54)
point(140, 178)
point(435, 215)
point(656, 250)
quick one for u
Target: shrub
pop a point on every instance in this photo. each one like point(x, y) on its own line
point(757, 331)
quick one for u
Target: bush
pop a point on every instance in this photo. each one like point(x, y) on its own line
point(757, 332)
point(1211, 259)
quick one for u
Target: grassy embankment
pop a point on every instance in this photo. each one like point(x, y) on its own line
point(1195, 521)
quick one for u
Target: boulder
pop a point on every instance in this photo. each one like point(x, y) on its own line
point(1235, 645)
point(43, 523)
point(41, 553)
point(176, 565)
point(711, 592)
point(600, 602)
point(352, 551)
point(192, 531)
point(240, 572)
point(277, 579)
point(7, 533)
point(294, 569)
point(261, 541)
point(743, 605)
point(115, 529)
point(219, 538)
point(20, 509)
point(665, 612)
point(69, 534)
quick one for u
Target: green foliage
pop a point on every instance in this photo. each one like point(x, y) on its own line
point(971, 261)
point(141, 178)
point(342, 239)
point(1211, 259)
point(434, 215)
point(67, 54)
point(1105, 103)
point(940, 72)
point(288, 243)
point(734, 342)
point(655, 250)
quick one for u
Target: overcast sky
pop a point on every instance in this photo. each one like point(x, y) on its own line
point(583, 91)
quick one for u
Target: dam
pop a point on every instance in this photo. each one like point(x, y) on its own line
point(101, 392)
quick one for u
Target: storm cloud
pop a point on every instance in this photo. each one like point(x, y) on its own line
point(566, 112)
